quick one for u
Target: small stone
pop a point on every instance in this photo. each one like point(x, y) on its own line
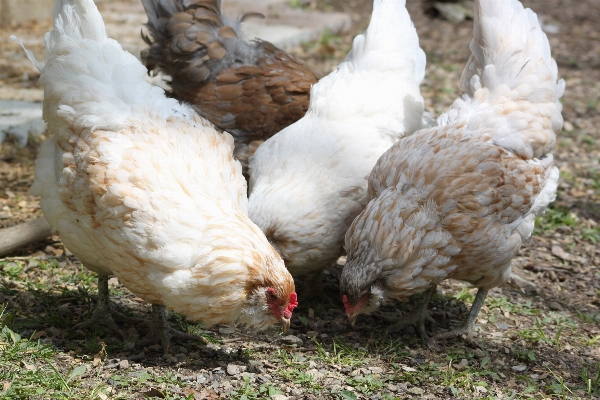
point(234, 369)
point(181, 357)
point(415, 390)
point(409, 330)
point(555, 306)
point(279, 397)
point(479, 353)
point(155, 347)
point(463, 364)
point(292, 340)
point(114, 363)
point(439, 316)
point(226, 330)
point(502, 326)
point(481, 389)
point(201, 378)
point(315, 374)
point(311, 334)
point(170, 359)
point(178, 349)
point(519, 368)
point(376, 370)
point(123, 364)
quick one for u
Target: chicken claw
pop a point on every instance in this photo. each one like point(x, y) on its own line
point(416, 317)
point(103, 313)
point(160, 331)
point(468, 327)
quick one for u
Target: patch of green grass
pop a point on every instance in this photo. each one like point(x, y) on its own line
point(28, 369)
point(248, 392)
point(591, 380)
point(537, 335)
point(341, 354)
point(366, 384)
point(553, 219)
point(505, 304)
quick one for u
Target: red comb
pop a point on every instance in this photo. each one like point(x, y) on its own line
point(293, 303)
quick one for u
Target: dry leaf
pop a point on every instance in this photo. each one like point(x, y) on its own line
point(154, 393)
point(97, 360)
point(560, 253)
point(38, 335)
point(6, 386)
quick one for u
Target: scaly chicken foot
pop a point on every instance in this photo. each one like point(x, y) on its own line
point(416, 317)
point(468, 327)
point(104, 314)
point(160, 331)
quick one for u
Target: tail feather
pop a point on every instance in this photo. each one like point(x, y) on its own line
point(89, 80)
point(390, 31)
point(190, 38)
point(510, 82)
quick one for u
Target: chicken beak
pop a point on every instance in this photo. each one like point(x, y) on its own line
point(352, 318)
point(285, 324)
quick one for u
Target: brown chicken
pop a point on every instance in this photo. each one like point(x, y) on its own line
point(250, 89)
point(457, 201)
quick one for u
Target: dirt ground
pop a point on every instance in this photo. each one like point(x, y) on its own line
point(535, 341)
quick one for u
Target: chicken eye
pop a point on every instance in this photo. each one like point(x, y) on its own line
point(271, 296)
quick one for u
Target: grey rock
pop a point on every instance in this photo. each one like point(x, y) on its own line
point(519, 368)
point(226, 330)
point(479, 353)
point(170, 359)
point(123, 364)
point(234, 369)
point(292, 340)
point(502, 326)
point(178, 350)
point(463, 364)
point(376, 370)
point(555, 306)
point(416, 391)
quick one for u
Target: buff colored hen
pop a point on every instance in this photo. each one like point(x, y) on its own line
point(250, 89)
point(139, 186)
point(458, 200)
point(309, 181)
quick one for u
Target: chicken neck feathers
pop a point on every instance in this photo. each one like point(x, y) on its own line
point(139, 186)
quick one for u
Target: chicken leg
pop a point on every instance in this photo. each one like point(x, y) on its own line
point(160, 331)
point(416, 317)
point(103, 313)
point(468, 327)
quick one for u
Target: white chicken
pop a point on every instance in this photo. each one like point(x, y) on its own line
point(309, 181)
point(457, 201)
point(141, 187)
